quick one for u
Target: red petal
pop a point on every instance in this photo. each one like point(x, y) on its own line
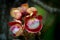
point(12, 23)
point(39, 17)
point(34, 13)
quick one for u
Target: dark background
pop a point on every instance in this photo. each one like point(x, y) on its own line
point(6, 5)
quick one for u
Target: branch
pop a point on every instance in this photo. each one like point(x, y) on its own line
point(49, 9)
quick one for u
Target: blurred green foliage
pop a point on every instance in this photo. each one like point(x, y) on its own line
point(47, 32)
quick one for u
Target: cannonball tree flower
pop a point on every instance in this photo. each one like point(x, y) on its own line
point(33, 24)
point(23, 7)
point(15, 13)
point(16, 28)
point(32, 11)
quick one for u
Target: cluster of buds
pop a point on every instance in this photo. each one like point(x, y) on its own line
point(25, 18)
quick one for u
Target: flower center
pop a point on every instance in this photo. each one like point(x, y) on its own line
point(33, 23)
